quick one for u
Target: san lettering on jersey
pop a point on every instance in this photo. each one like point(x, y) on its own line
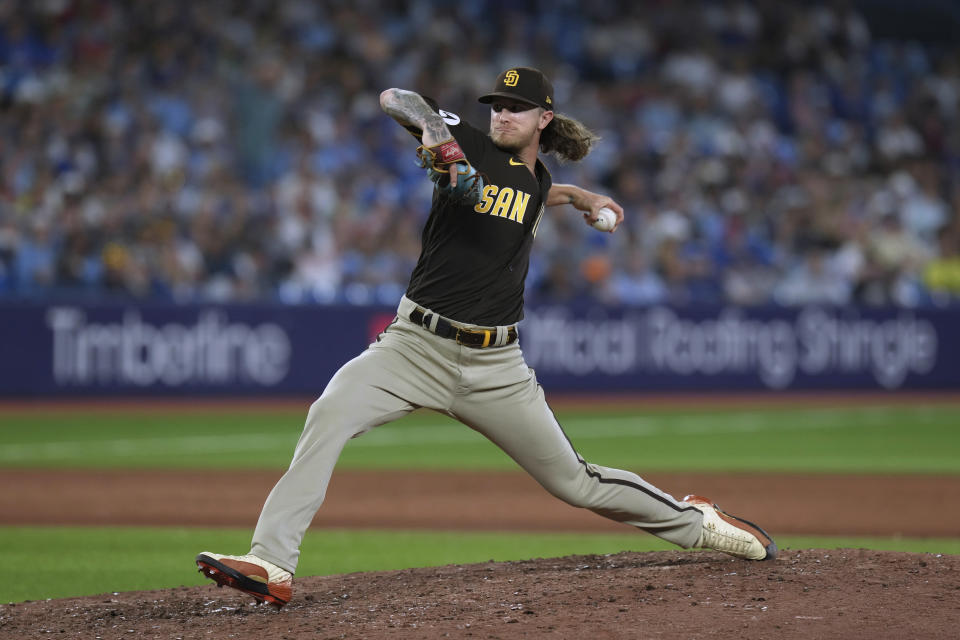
point(503, 202)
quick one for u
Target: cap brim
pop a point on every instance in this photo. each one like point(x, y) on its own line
point(490, 97)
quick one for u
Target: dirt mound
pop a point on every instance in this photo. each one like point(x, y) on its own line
point(809, 593)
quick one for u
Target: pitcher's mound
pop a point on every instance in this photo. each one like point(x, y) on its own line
point(811, 593)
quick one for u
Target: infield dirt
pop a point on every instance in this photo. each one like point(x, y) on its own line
point(883, 505)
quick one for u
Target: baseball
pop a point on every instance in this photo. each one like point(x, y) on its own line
point(606, 218)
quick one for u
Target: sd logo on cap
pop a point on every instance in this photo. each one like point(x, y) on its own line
point(524, 84)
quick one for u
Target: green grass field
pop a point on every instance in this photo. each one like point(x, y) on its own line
point(57, 562)
point(873, 439)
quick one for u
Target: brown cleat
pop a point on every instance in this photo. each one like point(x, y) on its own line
point(255, 576)
point(730, 534)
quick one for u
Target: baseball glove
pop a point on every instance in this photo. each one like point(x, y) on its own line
point(437, 161)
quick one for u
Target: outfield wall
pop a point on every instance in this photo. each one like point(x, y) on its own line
point(203, 350)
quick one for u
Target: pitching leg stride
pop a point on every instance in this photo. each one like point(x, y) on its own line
point(263, 580)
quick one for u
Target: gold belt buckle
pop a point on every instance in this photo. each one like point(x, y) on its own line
point(486, 336)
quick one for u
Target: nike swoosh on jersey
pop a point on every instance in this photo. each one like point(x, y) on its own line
point(516, 164)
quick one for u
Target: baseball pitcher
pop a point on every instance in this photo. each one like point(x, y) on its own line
point(454, 344)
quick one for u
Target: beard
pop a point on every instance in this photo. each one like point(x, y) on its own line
point(513, 141)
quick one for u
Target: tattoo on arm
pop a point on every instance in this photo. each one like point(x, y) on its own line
point(407, 107)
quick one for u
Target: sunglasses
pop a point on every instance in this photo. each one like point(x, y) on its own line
point(515, 107)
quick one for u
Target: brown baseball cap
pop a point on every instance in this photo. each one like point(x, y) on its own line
point(525, 84)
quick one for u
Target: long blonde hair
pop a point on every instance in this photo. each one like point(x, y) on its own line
point(566, 138)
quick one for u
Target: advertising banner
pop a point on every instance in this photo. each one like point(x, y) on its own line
point(729, 348)
point(178, 350)
point(124, 350)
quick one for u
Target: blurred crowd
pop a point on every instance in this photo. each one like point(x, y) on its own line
point(764, 152)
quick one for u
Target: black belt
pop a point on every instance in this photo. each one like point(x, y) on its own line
point(475, 338)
